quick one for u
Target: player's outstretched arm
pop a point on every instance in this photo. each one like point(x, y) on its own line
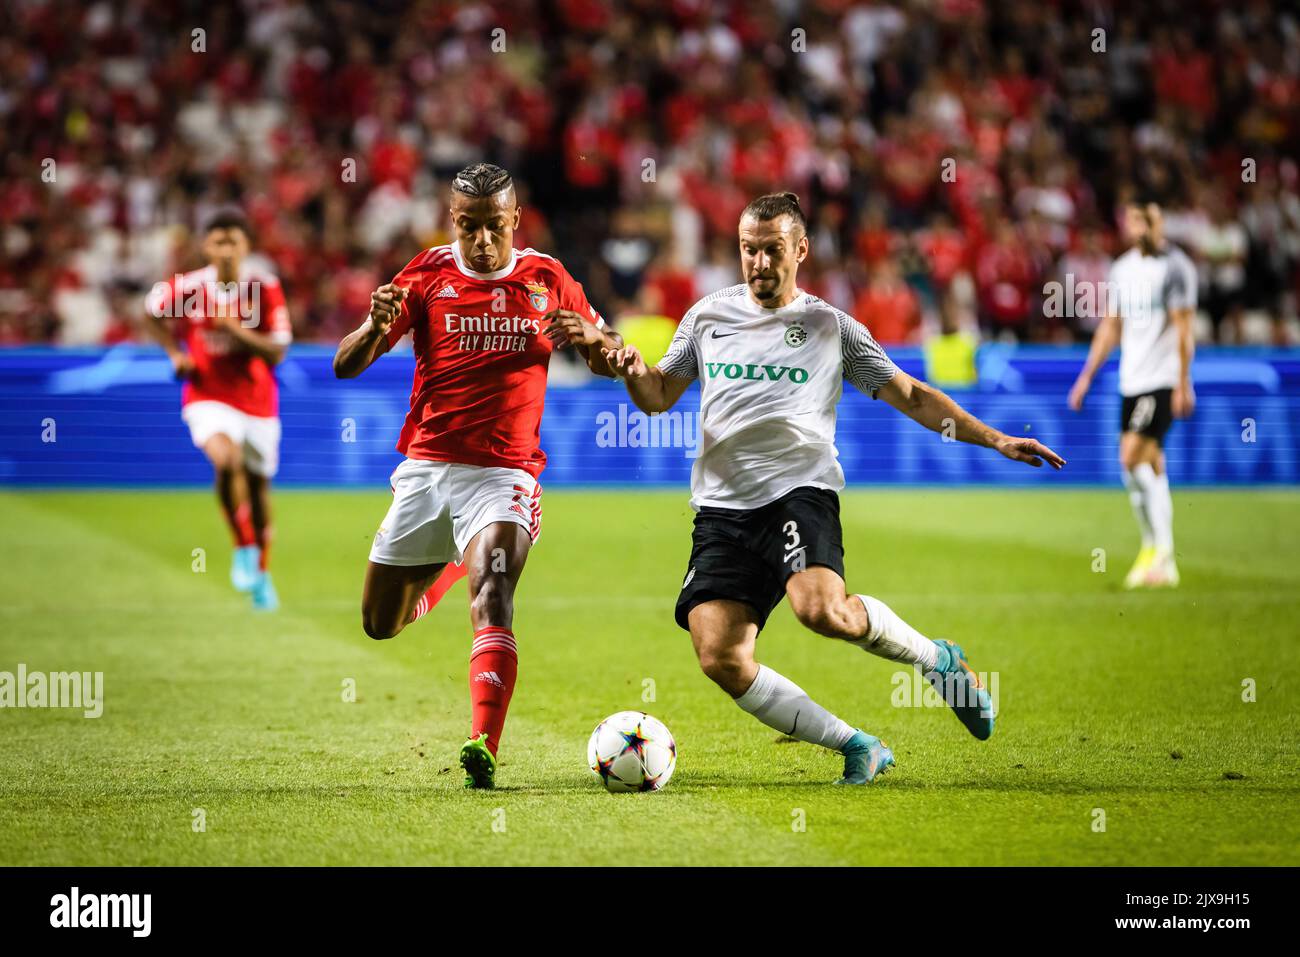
point(566, 326)
point(360, 348)
point(1184, 397)
point(652, 391)
point(1104, 341)
point(939, 413)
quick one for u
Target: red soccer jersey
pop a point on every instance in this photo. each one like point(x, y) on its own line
point(224, 371)
point(480, 356)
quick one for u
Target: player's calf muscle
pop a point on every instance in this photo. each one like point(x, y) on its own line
point(495, 558)
point(825, 607)
point(833, 619)
point(493, 602)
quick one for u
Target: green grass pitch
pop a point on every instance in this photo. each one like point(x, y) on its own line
point(1127, 705)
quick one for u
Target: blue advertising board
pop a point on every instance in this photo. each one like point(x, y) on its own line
point(111, 417)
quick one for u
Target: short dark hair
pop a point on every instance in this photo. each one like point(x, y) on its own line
point(774, 205)
point(482, 179)
point(228, 217)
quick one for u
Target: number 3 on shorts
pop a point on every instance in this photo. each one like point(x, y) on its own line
point(796, 555)
point(1144, 411)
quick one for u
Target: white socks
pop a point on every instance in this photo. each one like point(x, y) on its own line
point(781, 704)
point(890, 637)
point(1162, 514)
point(1158, 506)
point(1138, 499)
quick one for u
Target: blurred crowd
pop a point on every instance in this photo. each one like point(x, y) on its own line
point(956, 157)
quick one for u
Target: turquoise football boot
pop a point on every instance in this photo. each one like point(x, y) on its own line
point(962, 689)
point(264, 594)
point(244, 568)
point(865, 757)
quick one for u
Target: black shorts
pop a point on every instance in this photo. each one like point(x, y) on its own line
point(1150, 414)
point(746, 555)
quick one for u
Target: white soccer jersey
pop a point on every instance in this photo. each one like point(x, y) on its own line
point(1143, 289)
point(769, 383)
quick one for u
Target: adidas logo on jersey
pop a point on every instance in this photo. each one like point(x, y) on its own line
point(447, 292)
point(491, 677)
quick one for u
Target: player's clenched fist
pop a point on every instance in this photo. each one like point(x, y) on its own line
point(626, 362)
point(385, 305)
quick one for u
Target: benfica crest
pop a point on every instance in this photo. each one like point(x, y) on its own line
point(538, 295)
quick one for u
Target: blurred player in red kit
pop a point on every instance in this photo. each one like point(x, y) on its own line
point(225, 327)
point(485, 318)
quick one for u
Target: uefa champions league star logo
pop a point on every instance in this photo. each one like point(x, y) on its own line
point(795, 336)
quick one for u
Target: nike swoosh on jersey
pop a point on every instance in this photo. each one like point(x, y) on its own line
point(717, 335)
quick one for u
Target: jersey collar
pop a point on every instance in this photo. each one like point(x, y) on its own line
point(798, 302)
point(501, 273)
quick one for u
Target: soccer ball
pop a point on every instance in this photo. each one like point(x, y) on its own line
point(631, 751)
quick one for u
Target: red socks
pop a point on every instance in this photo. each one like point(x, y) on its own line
point(246, 533)
point(241, 525)
point(493, 664)
point(451, 574)
point(263, 546)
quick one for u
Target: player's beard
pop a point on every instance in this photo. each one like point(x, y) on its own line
point(764, 292)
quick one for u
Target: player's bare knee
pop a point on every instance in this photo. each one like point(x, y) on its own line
point(228, 463)
point(377, 628)
point(724, 670)
point(224, 456)
point(1133, 451)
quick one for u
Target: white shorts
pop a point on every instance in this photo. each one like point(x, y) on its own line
point(257, 437)
point(438, 508)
